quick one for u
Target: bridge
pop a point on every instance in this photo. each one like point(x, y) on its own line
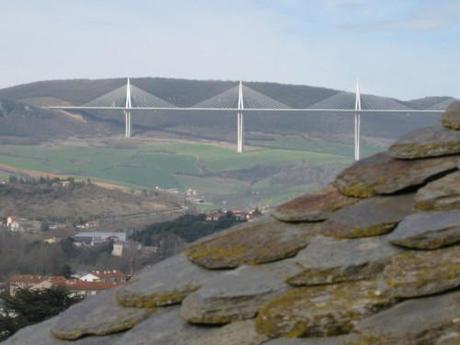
point(257, 103)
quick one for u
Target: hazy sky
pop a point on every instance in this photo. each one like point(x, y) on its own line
point(400, 48)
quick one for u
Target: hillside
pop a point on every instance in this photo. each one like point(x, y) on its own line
point(24, 123)
point(371, 259)
point(68, 202)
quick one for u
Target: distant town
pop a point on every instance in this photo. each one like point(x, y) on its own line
point(95, 257)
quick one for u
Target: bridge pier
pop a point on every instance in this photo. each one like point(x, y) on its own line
point(357, 122)
point(127, 111)
point(240, 120)
point(240, 134)
point(128, 124)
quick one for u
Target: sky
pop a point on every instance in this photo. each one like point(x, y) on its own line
point(399, 48)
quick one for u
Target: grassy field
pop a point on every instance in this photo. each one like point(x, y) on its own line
point(297, 142)
point(179, 165)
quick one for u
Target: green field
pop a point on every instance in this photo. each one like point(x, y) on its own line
point(176, 165)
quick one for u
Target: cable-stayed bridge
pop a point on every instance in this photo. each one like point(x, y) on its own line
point(242, 99)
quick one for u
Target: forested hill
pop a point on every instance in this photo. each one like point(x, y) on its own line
point(185, 92)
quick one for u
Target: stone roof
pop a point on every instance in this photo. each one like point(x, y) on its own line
point(374, 258)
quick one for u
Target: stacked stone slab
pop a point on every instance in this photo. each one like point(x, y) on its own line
point(374, 258)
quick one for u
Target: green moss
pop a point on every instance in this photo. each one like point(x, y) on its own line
point(451, 124)
point(357, 190)
point(155, 300)
point(225, 255)
point(374, 230)
point(414, 274)
point(320, 310)
point(417, 150)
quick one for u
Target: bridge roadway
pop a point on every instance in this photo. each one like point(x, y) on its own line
point(248, 110)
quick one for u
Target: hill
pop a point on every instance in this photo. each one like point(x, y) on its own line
point(24, 123)
point(72, 203)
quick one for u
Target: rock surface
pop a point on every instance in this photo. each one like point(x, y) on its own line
point(451, 118)
point(163, 328)
point(381, 174)
point(341, 340)
point(237, 333)
point(442, 194)
point(253, 243)
point(427, 230)
point(313, 207)
point(98, 315)
point(319, 311)
point(427, 142)
point(422, 273)
point(167, 328)
point(418, 321)
point(327, 261)
point(236, 295)
point(369, 217)
point(159, 287)
point(450, 338)
point(39, 334)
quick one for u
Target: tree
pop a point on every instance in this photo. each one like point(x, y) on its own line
point(66, 271)
point(27, 307)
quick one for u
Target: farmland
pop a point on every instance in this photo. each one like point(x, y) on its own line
point(216, 171)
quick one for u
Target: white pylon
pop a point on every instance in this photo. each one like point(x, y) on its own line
point(240, 119)
point(357, 122)
point(128, 106)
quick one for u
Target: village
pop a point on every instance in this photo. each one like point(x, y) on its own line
point(89, 235)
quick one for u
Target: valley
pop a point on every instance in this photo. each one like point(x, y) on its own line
point(220, 176)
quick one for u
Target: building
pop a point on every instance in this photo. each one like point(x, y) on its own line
point(93, 238)
point(107, 276)
point(240, 216)
point(23, 281)
point(15, 224)
point(215, 216)
point(125, 248)
point(84, 289)
point(87, 285)
point(88, 225)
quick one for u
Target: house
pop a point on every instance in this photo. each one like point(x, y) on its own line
point(108, 276)
point(87, 285)
point(88, 225)
point(23, 281)
point(215, 216)
point(83, 288)
point(14, 224)
point(124, 248)
point(240, 216)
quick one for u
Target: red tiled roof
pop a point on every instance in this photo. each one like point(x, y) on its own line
point(88, 286)
point(26, 279)
point(71, 284)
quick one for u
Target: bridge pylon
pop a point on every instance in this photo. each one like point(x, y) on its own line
point(240, 119)
point(127, 111)
point(357, 122)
